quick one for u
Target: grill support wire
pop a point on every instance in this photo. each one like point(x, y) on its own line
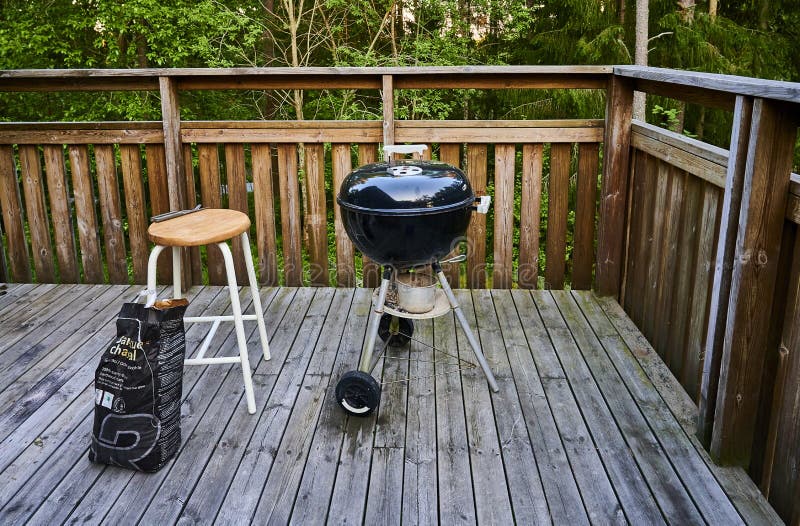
point(356, 385)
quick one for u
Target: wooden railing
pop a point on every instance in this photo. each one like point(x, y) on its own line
point(711, 268)
point(699, 244)
point(185, 162)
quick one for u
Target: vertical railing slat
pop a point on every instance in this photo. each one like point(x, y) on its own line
point(85, 214)
point(502, 274)
point(557, 210)
point(368, 153)
point(585, 213)
point(265, 214)
point(666, 276)
point(688, 239)
point(530, 216)
point(13, 220)
point(316, 219)
point(135, 209)
point(237, 200)
point(655, 260)
point(111, 213)
point(38, 221)
point(63, 232)
point(451, 154)
point(159, 201)
point(476, 233)
point(290, 215)
point(193, 268)
point(345, 264)
point(208, 168)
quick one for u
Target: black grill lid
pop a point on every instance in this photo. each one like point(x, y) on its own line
point(405, 188)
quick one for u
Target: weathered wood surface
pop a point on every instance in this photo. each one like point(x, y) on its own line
point(613, 193)
point(671, 242)
point(582, 429)
point(773, 133)
point(778, 90)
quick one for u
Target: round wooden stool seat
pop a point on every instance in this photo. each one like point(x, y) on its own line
point(203, 227)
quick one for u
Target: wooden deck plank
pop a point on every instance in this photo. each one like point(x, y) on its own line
point(44, 377)
point(228, 425)
point(18, 294)
point(207, 430)
point(25, 314)
point(384, 501)
point(97, 502)
point(454, 472)
point(316, 485)
point(45, 348)
point(524, 482)
point(492, 501)
point(699, 481)
point(589, 425)
point(351, 487)
point(420, 498)
point(45, 320)
point(671, 495)
point(256, 448)
point(569, 396)
point(742, 491)
point(139, 493)
point(241, 461)
point(67, 467)
point(280, 489)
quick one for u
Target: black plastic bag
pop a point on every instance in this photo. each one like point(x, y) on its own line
point(138, 388)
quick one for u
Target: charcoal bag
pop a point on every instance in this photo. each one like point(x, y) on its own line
point(138, 386)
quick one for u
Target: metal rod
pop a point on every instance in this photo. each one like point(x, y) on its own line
point(462, 320)
point(207, 340)
point(372, 331)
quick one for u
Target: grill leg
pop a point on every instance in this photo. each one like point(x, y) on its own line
point(365, 365)
point(462, 320)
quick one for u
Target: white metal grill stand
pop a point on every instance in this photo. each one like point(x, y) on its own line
point(365, 365)
point(237, 317)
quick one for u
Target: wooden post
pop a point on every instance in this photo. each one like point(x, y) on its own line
point(764, 195)
point(613, 195)
point(387, 96)
point(720, 291)
point(171, 122)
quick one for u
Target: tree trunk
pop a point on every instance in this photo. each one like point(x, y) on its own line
point(621, 11)
point(686, 9)
point(763, 14)
point(712, 9)
point(640, 53)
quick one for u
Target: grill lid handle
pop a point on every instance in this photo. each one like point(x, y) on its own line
point(402, 148)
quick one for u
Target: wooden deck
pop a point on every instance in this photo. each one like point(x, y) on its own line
point(589, 425)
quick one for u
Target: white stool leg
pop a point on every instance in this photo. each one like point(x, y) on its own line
point(151, 266)
point(251, 275)
point(176, 272)
point(237, 321)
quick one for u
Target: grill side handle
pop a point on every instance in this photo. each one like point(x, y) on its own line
point(482, 204)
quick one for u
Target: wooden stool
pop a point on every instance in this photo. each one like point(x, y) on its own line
point(205, 227)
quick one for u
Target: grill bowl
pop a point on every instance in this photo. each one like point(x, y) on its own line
point(406, 214)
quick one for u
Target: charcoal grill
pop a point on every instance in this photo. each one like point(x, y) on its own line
point(405, 215)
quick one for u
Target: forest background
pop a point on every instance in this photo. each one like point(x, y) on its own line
point(756, 38)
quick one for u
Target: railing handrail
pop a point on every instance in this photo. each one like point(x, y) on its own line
point(728, 84)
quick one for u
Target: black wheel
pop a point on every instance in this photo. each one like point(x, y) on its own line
point(358, 393)
point(400, 334)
